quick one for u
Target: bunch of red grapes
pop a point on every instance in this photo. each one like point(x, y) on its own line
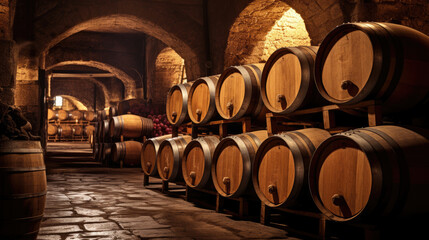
point(161, 126)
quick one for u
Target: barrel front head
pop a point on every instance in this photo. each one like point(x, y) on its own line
point(201, 99)
point(281, 165)
point(170, 156)
point(287, 81)
point(238, 91)
point(232, 163)
point(341, 178)
point(177, 104)
point(149, 153)
point(197, 161)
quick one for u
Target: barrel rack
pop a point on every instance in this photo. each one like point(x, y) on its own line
point(283, 122)
point(81, 138)
point(239, 206)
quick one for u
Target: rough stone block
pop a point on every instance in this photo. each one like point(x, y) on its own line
point(7, 95)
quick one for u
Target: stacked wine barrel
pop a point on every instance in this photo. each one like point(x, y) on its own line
point(73, 125)
point(374, 172)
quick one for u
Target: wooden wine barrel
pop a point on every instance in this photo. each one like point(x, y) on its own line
point(77, 130)
point(168, 160)
point(23, 189)
point(280, 170)
point(106, 154)
point(129, 152)
point(104, 130)
point(197, 161)
point(125, 106)
point(52, 130)
point(76, 115)
point(287, 81)
point(370, 173)
point(89, 116)
point(177, 104)
point(62, 114)
point(382, 61)
point(65, 131)
point(131, 126)
point(113, 111)
point(52, 114)
point(238, 92)
point(149, 153)
point(232, 163)
point(102, 115)
point(201, 100)
point(89, 130)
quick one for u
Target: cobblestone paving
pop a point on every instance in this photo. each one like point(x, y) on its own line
point(115, 205)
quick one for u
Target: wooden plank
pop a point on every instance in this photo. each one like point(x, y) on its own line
point(328, 119)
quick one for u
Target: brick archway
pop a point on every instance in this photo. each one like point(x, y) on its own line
point(249, 39)
point(129, 83)
point(178, 30)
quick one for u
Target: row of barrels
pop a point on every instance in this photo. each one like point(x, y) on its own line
point(63, 115)
point(108, 146)
point(355, 62)
point(69, 130)
point(360, 174)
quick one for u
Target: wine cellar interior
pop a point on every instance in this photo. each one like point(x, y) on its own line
point(204, 119)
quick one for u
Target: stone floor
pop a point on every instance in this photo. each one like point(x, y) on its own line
point(113, 204)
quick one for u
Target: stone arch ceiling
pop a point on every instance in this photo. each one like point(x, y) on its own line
point(76, 102)
point(179, 31)
point(320, 17)
point(128, 82)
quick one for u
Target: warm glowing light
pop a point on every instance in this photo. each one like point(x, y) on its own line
point(288, 31)
point(58, 101)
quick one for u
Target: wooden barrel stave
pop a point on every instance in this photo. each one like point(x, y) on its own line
point(149, 154)
point(201, 100)
point(89, 116)
point(232, 163)
point(281, 164)
point(62, 115)
point(65, 131)
point(169, 158)
point(197, 161)
point(52, 114)
point(371, 173)
point(52, 130)
point(76, 115)
point(23, 192)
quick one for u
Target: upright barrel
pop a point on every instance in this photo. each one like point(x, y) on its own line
point(201, 100)
point(280, 170)
point(129, 152)
point(197, 161)
point(62, 114)
point(169, 158)
point(23, 189)
point(287, 81)
point(232, 163)
point(370, 173)
point(238, 92)
point(381, 61)
point(131, 126)
point(177, 104)
point(149, 153)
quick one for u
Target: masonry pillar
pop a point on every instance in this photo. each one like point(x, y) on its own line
point(7, 55)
